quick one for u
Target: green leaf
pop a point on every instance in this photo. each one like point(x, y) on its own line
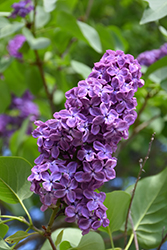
point(117, 203)
point(3, 245)
point(65, 245)
point(3, 22)
point(34, 80)
point(49, 5)
point(163, 30)
point(3, 230)
point(4, 63)
point(81, 68)
point(19, 235)
point(155, 66)
point(157, 10)
point(35, 43)
point(41, 18)
point(13, 179)
point(5, 97)
point(91, 35)
point(163, 84)
point(10, 29)
point(59, 238)
point(91, 241)
point(149, 210)
point(18, 137)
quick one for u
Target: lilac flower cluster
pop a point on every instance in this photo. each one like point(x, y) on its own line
point(76, 146)
point(22, 8)
point(151, 56)
point(15, 44)
point(19, 109)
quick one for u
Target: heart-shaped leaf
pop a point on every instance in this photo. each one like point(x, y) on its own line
point(149, 210)
point(13, 179)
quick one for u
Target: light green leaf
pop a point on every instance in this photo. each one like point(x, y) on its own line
point(72, 235)
point(157, 10)
point(13, 179)
point(81, 68)
point(36, 43)
point(3, 230)
point(41, 18)
point(49, 5)
point(59, 237)
point(91, 35)
point(19, 235)
point(163, 30)
point(117, 203)
point(149, 210)
point(3, 245)
point(4, 13)
point(91, 241)
point(3, 22)
point(10, 29)
point(164, 84)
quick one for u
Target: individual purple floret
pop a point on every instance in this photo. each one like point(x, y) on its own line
point(15, 44)
point(76, 147)
point(151, 56)
point(22, 8)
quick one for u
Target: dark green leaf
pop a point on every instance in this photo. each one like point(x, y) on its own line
point(13, 179)
point(3, 230)
point(117, 203)
point(34, 80)
point(65, 245)
point(4, 63)
point(164, 84)
point(5, 97)
point(19, 235)
point(149, 210)
point(155, 66)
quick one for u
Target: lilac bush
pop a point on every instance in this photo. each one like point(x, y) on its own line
point(76, 146)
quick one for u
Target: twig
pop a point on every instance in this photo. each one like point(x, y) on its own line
point(162, 241)
point(134, 233)
point(135, 132)
point(51, 242)
point(68, 47)
point(142, 164)
point(88, 10)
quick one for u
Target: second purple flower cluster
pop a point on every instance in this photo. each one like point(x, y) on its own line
point(76, 146)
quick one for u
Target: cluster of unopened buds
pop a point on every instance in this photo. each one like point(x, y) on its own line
point(76, 146)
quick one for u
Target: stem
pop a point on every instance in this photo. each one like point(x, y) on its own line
point(162, 241)
point(26, 211)
point(88, 10)
point(13, 218)
point(51, 242)
point(142, 164)
point(129, 242)
point(134, 233)
point(52, 218)
point(40, 67)
point(111, 239)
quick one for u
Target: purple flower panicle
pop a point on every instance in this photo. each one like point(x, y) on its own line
point(15, 44)
point(151, 56)
point(76, 146)
point(21, 9)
